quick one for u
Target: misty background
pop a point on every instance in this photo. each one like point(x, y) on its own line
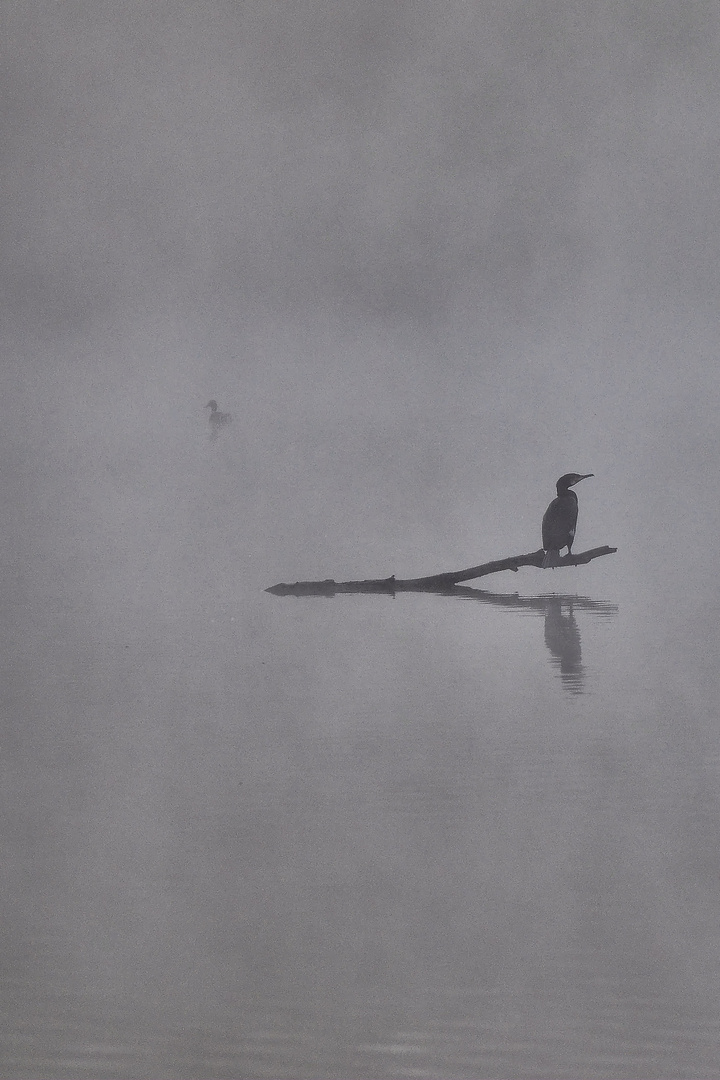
point(430, 254)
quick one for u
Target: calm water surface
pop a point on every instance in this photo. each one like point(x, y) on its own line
point(277, 837)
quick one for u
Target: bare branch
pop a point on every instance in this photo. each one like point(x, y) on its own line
point(435, 583)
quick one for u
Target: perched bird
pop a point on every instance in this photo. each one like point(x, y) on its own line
point(217, 418)
point(558, 524)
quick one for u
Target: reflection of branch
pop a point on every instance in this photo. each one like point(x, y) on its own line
point(435, 583)
point(529, 604)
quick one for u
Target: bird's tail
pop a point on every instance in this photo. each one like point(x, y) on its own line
point(552, 558)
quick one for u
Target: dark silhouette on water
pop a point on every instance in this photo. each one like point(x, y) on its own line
point(558, 524)
point(437, 583)
point(217, 419)
point(558, 532)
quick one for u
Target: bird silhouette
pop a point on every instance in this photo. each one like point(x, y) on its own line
point(217, 419)
point(560, 519)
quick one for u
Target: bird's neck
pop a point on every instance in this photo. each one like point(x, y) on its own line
point(562, 490)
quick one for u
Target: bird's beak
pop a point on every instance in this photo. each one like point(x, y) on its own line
point(587, 474)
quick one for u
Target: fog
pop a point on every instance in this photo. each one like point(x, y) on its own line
point(429, 256)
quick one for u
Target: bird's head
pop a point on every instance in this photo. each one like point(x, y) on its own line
point(212, 406)
point(570, 480)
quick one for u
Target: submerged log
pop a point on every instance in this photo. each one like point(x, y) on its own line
point(434, 583)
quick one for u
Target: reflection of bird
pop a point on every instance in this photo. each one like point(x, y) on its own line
point(558, 524)
point(217, 418)
point(562, 638)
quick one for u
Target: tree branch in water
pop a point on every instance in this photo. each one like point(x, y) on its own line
point(434, 583)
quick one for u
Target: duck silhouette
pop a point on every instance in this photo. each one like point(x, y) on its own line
point(217, 419)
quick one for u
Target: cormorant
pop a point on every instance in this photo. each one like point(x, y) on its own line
point(558, 524)
point(217, 418)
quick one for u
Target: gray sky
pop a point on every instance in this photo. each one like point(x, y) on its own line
point(430, 254)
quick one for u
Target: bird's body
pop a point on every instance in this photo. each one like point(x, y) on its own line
point(217, 419)
point(560, 519)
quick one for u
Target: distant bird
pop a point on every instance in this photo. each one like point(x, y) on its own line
point(558, 524)
point(217, 419)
